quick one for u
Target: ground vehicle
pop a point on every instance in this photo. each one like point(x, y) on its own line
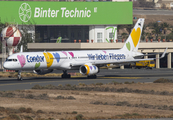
point(144, 64)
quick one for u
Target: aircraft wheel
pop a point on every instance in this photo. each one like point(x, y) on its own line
point(65, 76)
point(92, 76)
point(19, 78)
point(95, 76)
point(68, 76)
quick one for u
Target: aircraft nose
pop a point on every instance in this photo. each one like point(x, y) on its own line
point(6, 65)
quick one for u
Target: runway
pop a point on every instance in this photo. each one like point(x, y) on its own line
point(105, 76)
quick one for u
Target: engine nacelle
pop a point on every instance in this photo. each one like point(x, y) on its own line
point(43, 71)
point(88, 69)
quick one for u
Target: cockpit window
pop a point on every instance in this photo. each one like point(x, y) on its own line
point(15, 60)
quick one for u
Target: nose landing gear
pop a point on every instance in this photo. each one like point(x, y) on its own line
point(19, 77)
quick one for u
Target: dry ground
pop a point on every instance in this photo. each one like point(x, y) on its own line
point(36, 104)
point(154, 18)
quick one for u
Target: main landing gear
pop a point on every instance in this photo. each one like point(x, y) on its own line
point(65, 75)
point(19, 77)
point(92, 76)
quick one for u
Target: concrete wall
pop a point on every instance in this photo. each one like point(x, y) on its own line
point(143, 47)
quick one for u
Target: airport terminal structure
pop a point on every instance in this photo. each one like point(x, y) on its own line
point(81, 25)
point(73, 21)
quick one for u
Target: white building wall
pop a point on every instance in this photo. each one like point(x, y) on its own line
point(109, 30)
point(91, 33)
point(104, 31)
point(99, 30)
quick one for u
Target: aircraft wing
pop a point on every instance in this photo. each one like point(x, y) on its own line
point(116, 62)
point(110, 62)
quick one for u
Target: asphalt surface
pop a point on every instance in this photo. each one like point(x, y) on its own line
point(105, 76)
point(153, 12)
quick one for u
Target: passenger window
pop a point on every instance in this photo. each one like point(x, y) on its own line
point(15, 60)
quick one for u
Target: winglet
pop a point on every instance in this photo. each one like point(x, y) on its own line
point(163, 55)
point(21, 48)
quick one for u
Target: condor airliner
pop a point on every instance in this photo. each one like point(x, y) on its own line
point(87, 62)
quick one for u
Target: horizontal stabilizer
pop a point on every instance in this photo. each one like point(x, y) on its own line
point(163, 55)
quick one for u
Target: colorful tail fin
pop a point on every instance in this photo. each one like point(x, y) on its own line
point(132, 42)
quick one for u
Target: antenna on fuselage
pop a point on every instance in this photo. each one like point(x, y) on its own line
point(21, 48)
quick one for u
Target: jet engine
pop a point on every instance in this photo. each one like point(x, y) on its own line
point(88, 69)
point(43, 71)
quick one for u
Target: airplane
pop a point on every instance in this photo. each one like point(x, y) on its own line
point(88, 62)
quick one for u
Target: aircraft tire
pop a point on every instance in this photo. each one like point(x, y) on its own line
point(19, 78)
point(68, 76)
point(62, 76)
point(65, 76)
point(92, 77)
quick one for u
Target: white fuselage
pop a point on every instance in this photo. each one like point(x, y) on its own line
point(63, 59)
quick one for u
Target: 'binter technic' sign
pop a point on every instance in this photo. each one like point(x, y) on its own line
point(66, 13)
